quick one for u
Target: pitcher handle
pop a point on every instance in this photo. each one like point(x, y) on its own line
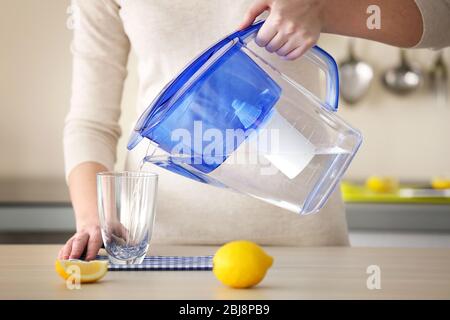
point(316, 55)
point(328, 65)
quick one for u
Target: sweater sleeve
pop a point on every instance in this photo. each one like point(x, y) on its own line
point(100, 51)
point(436, 23)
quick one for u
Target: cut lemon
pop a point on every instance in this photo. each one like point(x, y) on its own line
point(90, 271)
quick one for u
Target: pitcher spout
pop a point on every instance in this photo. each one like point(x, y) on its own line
point(135, 138)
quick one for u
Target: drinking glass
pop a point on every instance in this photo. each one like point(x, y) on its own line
point(126, 206)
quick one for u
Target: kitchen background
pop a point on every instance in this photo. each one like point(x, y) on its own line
point(405, 137)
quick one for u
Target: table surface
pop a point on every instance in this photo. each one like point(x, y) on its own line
point(27, 272)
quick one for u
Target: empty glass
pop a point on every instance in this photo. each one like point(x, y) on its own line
point(126, 205)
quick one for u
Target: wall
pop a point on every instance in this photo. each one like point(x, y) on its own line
point(34, 87)
point(35, 77)
point(407, 137)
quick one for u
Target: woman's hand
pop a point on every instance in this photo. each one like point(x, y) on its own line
point(87, 237)
point(83, 193)
point(292, 27)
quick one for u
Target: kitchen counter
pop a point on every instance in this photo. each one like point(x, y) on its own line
point(27, 272)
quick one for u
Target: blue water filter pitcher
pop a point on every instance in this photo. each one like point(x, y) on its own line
point(232, 119)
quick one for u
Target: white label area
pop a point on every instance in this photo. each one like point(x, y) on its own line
point(289, 151)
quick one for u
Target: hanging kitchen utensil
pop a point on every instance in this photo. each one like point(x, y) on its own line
point(356, 76)
point(404, 78)
point(439, 80)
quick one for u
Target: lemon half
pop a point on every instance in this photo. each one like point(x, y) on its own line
point(90, 271)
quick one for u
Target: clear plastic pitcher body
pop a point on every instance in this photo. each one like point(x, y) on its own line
point(232, 119)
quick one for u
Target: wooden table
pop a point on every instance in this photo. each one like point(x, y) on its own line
point(27, 272)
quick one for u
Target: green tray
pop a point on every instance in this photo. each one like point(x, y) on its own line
point(358, 193)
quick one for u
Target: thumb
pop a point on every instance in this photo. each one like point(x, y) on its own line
point(254, 11)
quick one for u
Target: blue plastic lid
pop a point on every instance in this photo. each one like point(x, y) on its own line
point(190, 70)
point(156, 110)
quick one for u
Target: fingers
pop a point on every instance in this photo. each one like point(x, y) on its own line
point(253, 12)
point(123, 232)
point(78, 245)
point(290, 47)
point(276, 43)
point(93, 246)
point(60, 254)
point(90, 240)
point(266, 33)
point(295, 47)
point(299, 51)
point(287, 48)
point(67, 249)
point(289, 39)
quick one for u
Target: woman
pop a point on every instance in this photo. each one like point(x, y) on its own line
point(165, 35)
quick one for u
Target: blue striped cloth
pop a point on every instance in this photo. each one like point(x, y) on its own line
point(165, 263)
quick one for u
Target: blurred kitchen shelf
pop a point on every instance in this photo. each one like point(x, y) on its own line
point(34, 237)
point(37, 217)
point(44, 206)
point(399, 216)
point(411, 207)
point(360, 216)
point(35, 205)
point(33, 191)
point(407, 194)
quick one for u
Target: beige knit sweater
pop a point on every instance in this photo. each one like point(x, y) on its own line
point(165, 36)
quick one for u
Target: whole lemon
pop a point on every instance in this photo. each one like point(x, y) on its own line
point(382, 184)
point(440, 183)
point(241, 264)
